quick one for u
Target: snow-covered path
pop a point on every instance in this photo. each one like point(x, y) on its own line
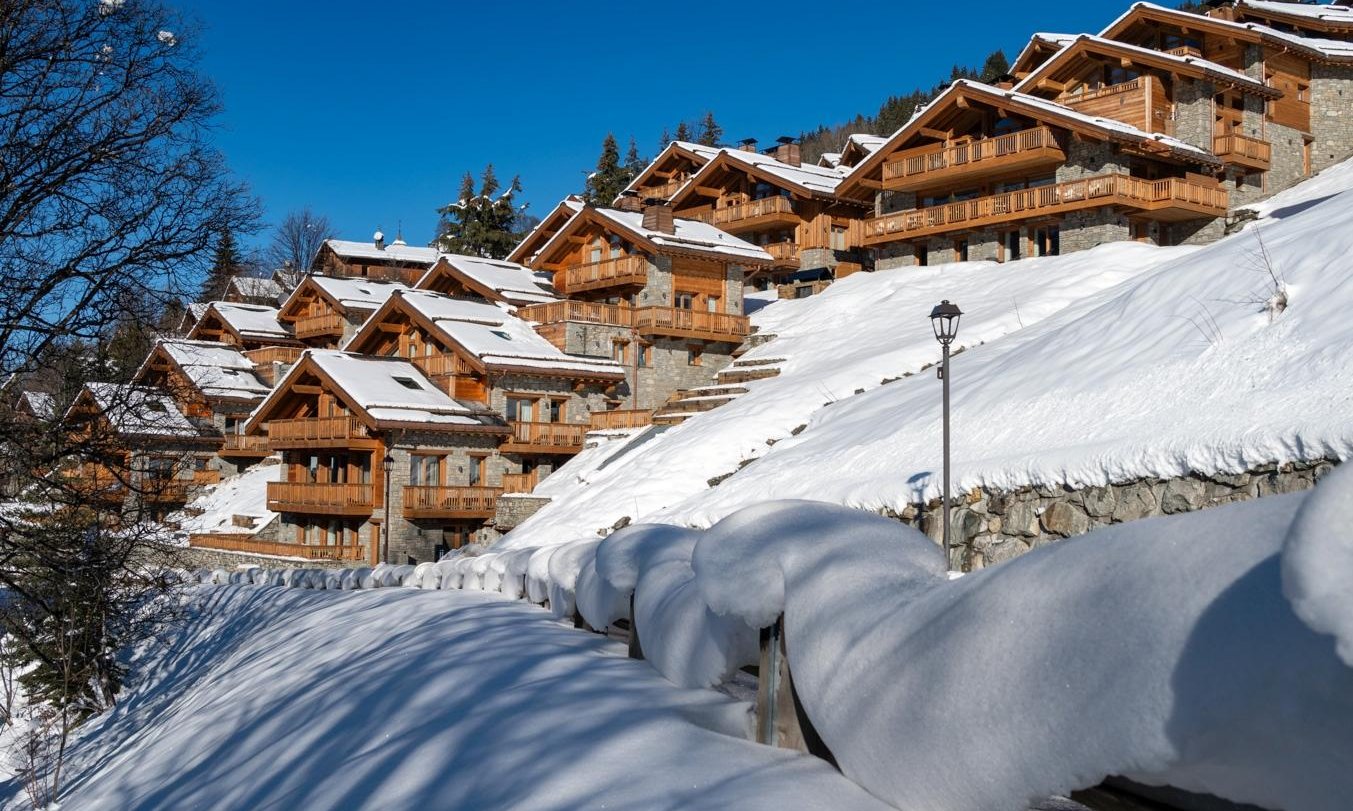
point(274, 698)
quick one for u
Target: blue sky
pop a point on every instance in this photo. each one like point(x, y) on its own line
point(369, 113)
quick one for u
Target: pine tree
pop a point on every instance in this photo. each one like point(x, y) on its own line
point(610, 178)
point(995, 66)
point(683, 131)
point(633, 163)
point(483, 224)
point(225, 264)
point(710, 131)
point(665, 139)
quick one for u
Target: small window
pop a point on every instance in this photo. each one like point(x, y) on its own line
point(695, 355)
point(409, 383)
point(803, 291)
point(923, 255)
point(960, 250)
point(618, 351)
point(646, 355)
point(712, 304)
point(685, 301)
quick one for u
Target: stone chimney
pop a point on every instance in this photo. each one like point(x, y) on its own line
point(379, 239)
point(787, 151)
point(747, 144)
point(629, 200)
point(658, 216)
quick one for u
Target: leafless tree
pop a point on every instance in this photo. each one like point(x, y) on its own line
point(297, 239)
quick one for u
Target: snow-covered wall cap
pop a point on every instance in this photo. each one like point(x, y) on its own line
point(1333, 49)
point(628, 551)
point(1317, 560)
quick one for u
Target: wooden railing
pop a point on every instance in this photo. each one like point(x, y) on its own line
point(557, 435)
point(620, 419)
point(1130, 86)
point(247, 543)
point(315, 429)
point(321, 497)
point(783, 251)
point(663, 190)
point(607, 272)
point(588, 312)
point(738, 212)
point(520, 482)
point(274, 354)
point(445, 364)
point(432, 502)
point(1110, 189)
point(245, 445)
point(691, 323)
point(1141, 102)
point(1186, 50)
point(1237, 148)
point(938, 158)
point(314, 326)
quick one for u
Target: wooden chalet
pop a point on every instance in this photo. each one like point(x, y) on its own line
point(336, 418)
point(857, 147)
point(987, 173)
point(788, 209)
point(215, 386)
point(491, 280)
point(1324, 20)
point(139, 455)
point(191, 315)
point(245, 326)
point(254, 290)
point(669, 171)
point(324, 311)
point(660, 295)
point(396, 261)
point(545, 229)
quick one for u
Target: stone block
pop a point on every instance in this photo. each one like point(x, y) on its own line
point(1065, 519)
point(1134, 501)
point(1099, 501)
point(1182, 495)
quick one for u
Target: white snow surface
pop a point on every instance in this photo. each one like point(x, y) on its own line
point(139, 410)
point(397, 252)
point(350, 293)
point(1318, 561)
point(242, 494)
point(250, 320)
point(515, 283)
point(215, 369)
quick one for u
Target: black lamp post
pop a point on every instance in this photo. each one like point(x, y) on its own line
point(944, 319)
point(388, 465)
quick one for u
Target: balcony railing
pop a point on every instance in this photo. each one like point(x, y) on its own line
point(1183, 196)
point(544, 437)
point(520, 482)
point(320, 326)
point(783, 251)
point(620, 419)
point(441, 365)
point(675, 321)
point(450, 502)
point(606, 273)
point(742, 213)
point(663, 190)
point(274, 354)
point(1186, 50)
point(1242, 150)
point(327, 498)
point(557, 312)
point(1012, 149)
point(247, 543)
point(245, 445)
point(316, 432)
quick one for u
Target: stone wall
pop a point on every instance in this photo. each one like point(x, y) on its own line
point(580, 403)
point(1194, 117)
point(193, 557)
point(516, 508)
point(989, 527)
point(1331, 114)
point(1085, 158)
point(1090, 227)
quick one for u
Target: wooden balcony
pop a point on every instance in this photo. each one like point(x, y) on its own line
point(520, 482)
point(443, 365)
point(173, 490)
point(240, 542)
point(1026, 150)
point(322, 498)
point(586, 312)
point(274, 354)
point(451, 502)
point(621, 419)
point(678, 323)
point(319, 432)
point(1242, 150)
point(1186, 50)
point(544, 437)
point(767, 212)
point(327, 325)
point(624, 270)
point(784, 253)
point(245, 445)
point(1167, 200)
point(663, 190)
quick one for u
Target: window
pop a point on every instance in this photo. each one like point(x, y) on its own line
point(618, 351)
point(803, 291)
point(645, 355)
point(476, 470)
point(960, 250)
point(694, 355)
point(409, 382)
point(425, 471)
point(1011, 244)
point(712, 304)
point(520, 409)
point(1047, 240)
point(556, 411)
point(501, 334)
point(838, 237)
point(922, 254)
point(685, 301)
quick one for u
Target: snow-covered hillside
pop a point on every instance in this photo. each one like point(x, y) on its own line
point(1105, 365)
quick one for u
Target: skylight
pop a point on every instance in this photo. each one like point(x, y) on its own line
point(501, 334)
point(409, 383)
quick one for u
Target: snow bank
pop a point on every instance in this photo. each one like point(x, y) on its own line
point(1318, 561)
point(243, 494)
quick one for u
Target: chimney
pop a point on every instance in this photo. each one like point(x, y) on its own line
point(629, 200)
point(658, 216)
point(379, 239)
point(787, 151)
point(747, 144)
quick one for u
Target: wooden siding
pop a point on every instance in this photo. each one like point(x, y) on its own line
point(1292, 76)
point(1142, 102)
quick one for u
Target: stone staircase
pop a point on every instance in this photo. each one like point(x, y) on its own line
point(728, 385)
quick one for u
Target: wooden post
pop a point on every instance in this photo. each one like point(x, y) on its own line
point(636, 649)
point(780, 718)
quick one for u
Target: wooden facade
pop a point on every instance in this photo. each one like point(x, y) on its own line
point(395, 262)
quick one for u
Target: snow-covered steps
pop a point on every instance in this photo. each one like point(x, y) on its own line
point(745, 371)
point(695, 401)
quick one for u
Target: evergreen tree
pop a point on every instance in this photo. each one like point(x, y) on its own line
point(225, 264)
point(665, 139)
point(683, 131)
point(995, 66)
point(710, 131)
point(485, 224)
point(610, 178)
point(633, 163)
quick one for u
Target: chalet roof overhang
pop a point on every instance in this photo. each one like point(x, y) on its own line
point(1186, 22)
point(161, 359)
point(548, 227)
point(1072, 59)
point(212, 315)
point(446, 269)
point(717, 172)
point(306, 290)
point(1034, 53)
point(1296, 20)
point(671, 155)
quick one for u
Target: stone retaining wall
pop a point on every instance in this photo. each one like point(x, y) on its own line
point(193, 557)
point(990, 527)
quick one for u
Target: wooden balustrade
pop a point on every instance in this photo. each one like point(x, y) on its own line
point(662, 190)
point(274, 354)
point(743, 213)
point(1186, 50)
point(606, 273)
point(544, 437)
point(167, 488)
point(318, 326)
point(1023, 149)
point(677, 322)
point(621, 419)
point(556, 312)
point(1175, 197)
point(240, 542)
point(342, 431)
point(442, 365)
point(327, 498)
point(450, 502)
point(245, 445)
point(783, 251)
point(520, 482)
point(1242, 150)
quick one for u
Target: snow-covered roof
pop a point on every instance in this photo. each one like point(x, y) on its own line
point(499, 339)
point(349, 293)
point(250, 320)
point(139, 410)
point(1333, 49)
point(829, 159)
point(389, 389)
point(393, 252)
point(866, 142)
point(252, 287)
point(698, 152)
point(818, 180)
point(512, 282)
point(215, 369)
point(39, 403)
point(1317, 12)
point(193, 314)
point(690, 235)
point(1208, 67)
point(546, 228)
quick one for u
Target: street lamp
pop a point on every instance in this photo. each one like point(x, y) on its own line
point(388, 465)
point(944, 320)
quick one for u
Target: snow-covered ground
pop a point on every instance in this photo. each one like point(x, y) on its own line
point(273, 698)
point(245, 494)
point(1104, 365)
